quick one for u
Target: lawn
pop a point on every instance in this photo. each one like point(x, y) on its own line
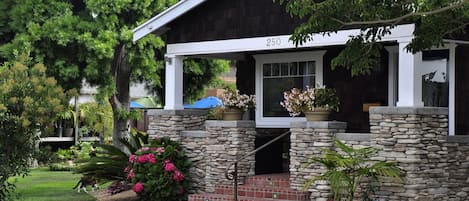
point(45, 185)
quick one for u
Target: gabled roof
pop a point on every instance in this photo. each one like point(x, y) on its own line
point(158, 22)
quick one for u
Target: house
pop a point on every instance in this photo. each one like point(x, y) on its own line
point(420, 93)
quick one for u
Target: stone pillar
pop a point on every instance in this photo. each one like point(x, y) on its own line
point(194, 144)
point(227, 141)
point(170, 123)
point(308, 139)
point(413, 137)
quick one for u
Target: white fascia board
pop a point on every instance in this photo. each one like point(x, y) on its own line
point(165, 17)
point(278, 42)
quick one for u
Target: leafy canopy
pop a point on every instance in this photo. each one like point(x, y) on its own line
point(434, 20)
point(29, 101)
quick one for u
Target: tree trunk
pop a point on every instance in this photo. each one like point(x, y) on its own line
point(120, 101)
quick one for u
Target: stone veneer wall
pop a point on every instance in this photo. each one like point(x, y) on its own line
point(227, 141)
point(195, 143)
point(308, 139)
point(172, 122)
point(414, 138)
point(458, 153)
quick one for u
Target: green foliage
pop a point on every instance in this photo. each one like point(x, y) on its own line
point(45, 185)
point(434, 20)
point(349, 169)
point(45, 156)
point(98, 117)
point(29, 100)
point(108, 162)
point(160, 171)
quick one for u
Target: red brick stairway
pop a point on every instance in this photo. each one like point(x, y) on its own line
point(271, 187)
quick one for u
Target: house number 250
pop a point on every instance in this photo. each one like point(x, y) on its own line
point(274, 42)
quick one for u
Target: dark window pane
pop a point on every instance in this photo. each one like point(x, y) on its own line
point(284, 69)
point(275, 69)
point(311, 69)
point(273, 93)
point(267, 70)
point(294, 68)
point(302, 68)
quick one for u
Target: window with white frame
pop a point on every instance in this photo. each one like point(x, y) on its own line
point(276, 73)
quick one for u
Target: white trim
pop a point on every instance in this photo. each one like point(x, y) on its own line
point(174, 82)
point(165, 17)
point(409, 80)
point(456, 41)
point(282, 122)
point(393, 56)
point(277, 42)
point(452, 89)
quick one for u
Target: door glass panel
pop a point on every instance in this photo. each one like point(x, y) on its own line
point(276, 84)
point(435, 83)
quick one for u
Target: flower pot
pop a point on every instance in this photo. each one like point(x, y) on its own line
point(319, 114)
point(231, 114)
point(68, 132)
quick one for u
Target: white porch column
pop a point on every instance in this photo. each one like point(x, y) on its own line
point(174, 82)
point(409, 79)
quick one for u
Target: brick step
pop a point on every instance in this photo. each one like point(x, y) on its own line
point(219, 197)
point(264, 192)
point(269, 180)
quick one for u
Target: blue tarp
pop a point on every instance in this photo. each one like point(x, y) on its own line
point(205, 103)
point(135, 105)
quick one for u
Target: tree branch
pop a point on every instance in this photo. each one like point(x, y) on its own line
point(400, 18)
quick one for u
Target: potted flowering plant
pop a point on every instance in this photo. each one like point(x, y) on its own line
point(235, 104)
point(315, 103)
point(160, 171)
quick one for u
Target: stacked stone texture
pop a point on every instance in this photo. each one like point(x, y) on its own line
point(414, 138)
point(227, 141)
point(171, 123)
point(458, 153)
point(195, 143)
point(309, 139)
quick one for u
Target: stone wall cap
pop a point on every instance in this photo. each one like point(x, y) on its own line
point(319, 124)
point(409, 110)
point(194, 134)
point(458, 139)
point(359, 137)
point(231, 124)
point(186, 112)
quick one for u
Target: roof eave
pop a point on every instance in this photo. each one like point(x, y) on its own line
point(165, 17)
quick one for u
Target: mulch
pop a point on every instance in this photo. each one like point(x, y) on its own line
point(103, 195)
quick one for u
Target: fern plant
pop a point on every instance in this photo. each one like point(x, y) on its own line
point(108, 162)
point(349, 169)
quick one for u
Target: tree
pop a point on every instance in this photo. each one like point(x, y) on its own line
point(434, 20)
point(93, 40)
point(28, 102)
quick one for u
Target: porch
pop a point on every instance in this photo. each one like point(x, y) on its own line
point(415, 138)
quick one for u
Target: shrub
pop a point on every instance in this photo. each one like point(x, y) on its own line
point(29, 100)
point(349, 169)
point(160, 171)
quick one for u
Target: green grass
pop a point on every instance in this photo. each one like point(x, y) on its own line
point(45, 185)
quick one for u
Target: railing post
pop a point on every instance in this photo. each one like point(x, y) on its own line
point(235, 183)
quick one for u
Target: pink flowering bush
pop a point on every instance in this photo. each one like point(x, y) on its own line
point(159, 171)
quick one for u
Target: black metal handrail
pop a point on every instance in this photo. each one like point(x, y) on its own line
point(233, 175)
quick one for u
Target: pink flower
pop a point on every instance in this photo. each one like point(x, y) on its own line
point(132, 158)
point(127, 169)
point(142, 159)
point(160, 150)
point(131, 174)
point(169, 167)
point(166, 161)
point(143, 149)
point(138, 187)
point(151, 158)
point(178, 176)
point(181, 190)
